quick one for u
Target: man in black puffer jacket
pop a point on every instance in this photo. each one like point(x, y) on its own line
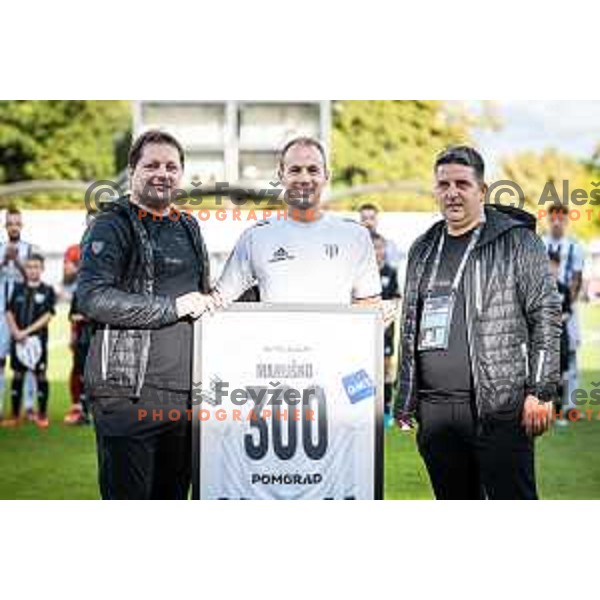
point(480, 343)
point(143, 271)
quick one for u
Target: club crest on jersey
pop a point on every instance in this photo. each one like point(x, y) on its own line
point(331, 250)
point(281, 254)
point(97, 247)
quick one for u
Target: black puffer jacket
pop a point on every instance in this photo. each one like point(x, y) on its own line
point(115, 290)
point(512, 315)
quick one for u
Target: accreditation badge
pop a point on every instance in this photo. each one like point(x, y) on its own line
point(436, 318)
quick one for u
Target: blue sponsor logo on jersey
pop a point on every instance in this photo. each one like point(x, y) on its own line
point(358, 386)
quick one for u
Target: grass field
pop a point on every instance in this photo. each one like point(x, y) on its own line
point(61, 461)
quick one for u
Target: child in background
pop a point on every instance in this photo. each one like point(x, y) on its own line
point(29, 311)
point(565, 295)
point(389, 293)
point(82, 331)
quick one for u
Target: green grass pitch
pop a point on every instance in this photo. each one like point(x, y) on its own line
point(61, 461)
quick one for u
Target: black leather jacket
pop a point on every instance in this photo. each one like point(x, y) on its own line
point(115, 290)
point(512, 315)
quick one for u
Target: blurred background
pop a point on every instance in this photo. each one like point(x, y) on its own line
point(381, 152)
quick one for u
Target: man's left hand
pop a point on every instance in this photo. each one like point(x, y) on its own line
point(390, 310)
point(20, 335)
point(537, 415)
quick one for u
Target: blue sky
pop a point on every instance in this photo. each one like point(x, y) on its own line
point(571, 126)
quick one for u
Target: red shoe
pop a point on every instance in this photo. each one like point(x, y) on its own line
point(42, 422)
point(73, 416)
point(10, 423)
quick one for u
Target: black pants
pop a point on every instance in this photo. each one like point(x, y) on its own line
point(16, 392)
point(469, 461)
point(143, 454)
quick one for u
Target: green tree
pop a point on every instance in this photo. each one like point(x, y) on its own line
point(551, 176)
point(378, 141)
point(392, 140)
point(60, 139)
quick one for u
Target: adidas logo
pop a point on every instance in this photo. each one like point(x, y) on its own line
point(281, 254)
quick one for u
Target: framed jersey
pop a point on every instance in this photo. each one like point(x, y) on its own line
point(288, 403)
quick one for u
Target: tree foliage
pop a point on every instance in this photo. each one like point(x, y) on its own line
point(60, 139)
point(551, 176)
point(392, 140)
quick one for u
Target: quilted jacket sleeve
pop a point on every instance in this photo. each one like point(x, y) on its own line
point(541, 306)
point(100, 291)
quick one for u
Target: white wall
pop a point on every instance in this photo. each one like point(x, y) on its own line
point(54, 231)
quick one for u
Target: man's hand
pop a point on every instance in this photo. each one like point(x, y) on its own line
point(20, 335)
point(537, 415)
point(218, 300)
point(194, 305)
point(390, 310)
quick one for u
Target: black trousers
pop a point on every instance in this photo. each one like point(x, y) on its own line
point(16, 393)
point(144, 453)
point(467, 460)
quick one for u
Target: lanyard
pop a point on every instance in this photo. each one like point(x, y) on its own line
point(461, 267)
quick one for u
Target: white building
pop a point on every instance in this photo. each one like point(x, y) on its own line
point(234, 141)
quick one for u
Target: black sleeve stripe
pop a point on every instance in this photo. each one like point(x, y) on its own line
point(367, 297)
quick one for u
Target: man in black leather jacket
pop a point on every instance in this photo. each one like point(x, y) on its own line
point(144, 268)
point(480, 340)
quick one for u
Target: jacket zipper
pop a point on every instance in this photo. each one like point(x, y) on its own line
point(525, 358)
point(104, 352)
point(407, 402)
point(478, 303)
point(143, 365)
point(149, 288)
point(540, 365)
point(472, 354)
